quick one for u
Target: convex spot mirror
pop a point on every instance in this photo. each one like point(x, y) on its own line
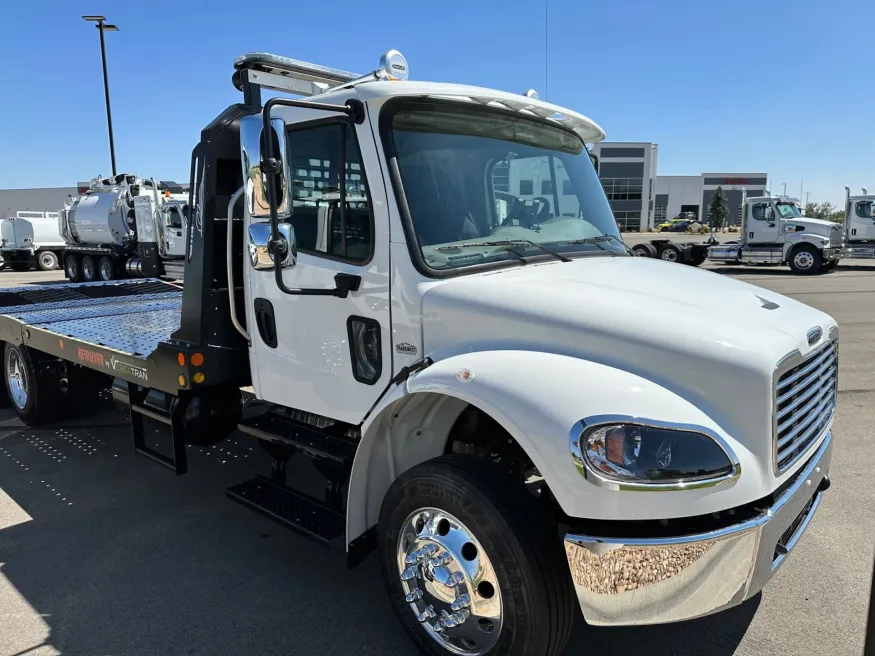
point(260, 256)
point(252, 145)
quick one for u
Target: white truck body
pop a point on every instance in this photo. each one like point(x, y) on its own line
point(859, 225)
point(550, 350)
point(31, 238)
point(521, 417)
point(774, 231)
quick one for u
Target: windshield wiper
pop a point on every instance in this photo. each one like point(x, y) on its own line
point(597, 241)
point(509, 242)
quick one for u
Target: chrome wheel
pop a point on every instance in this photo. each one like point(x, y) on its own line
point(106, 272)
point(88, 269)
point(803, 260)
point(48, 261)
point(16, 377)
point(669, 255)
point(449, 582)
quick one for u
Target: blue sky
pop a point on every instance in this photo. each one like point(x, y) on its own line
point(781, 86)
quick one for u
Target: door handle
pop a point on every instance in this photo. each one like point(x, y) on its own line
point(266, 322)
point(750, 235)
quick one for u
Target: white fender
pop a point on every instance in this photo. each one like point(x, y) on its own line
point(538, 398)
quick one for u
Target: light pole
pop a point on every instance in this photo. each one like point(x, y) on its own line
point(102, 27)
point(785, 189)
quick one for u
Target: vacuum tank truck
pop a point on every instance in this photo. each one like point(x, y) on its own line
point(125, 226)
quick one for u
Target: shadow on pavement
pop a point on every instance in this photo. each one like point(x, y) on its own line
point(116, 555)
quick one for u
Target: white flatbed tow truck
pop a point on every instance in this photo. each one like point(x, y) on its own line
point(492, 399)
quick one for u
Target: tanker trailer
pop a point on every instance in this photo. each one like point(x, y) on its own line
point(125, 226)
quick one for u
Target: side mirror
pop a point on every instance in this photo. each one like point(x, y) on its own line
point(259, 246)
point(255, 180)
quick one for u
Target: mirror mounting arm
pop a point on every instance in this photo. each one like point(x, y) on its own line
point(343, 282)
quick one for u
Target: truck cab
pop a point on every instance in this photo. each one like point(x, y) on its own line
point(859, 225)
point(774, 231)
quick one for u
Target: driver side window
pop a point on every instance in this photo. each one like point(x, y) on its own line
point(864, 209)
point(762, 212)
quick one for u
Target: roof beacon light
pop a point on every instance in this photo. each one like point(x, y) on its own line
point(531, 93)
point(393, 66)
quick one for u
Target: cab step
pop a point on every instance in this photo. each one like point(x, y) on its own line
point(328, 443)
point(290, 508)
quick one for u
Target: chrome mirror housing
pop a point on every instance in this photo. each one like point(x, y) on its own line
point(259, 246)
point(255, 180)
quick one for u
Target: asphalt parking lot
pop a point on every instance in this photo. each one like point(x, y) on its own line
point(102, 552)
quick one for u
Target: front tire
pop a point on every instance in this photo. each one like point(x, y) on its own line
point(89, 270)
point(47, 261)
point(471, 563)
point(805, 260)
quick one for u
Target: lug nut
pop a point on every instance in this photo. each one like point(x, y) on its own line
point(456, 579)
point(410, 573)
point(414, 595)
point(441, 560)
point(462, 602)
point(426, 615)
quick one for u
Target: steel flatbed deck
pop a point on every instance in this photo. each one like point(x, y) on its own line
point(122, 328)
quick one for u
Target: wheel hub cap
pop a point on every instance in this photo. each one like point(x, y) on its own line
point(804, 260)
point(449, 582)
point(17, 379)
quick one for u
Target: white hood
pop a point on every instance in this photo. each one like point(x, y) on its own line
point(710, 339)
point(815, 226)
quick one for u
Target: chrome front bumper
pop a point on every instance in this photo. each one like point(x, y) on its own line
point(834, 253)
point(653, 581)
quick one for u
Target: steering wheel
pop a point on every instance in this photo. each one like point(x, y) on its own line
point(527, 212)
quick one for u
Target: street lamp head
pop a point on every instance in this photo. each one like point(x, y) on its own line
point(95, 18)
point(109, 28)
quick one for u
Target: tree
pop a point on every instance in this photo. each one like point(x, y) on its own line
point(718, 212)
point(823, 210)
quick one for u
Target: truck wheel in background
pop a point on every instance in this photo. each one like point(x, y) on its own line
point(89, 269)
point(644, 250)
point(106, 268)
point(33, 383)
point(670, 253)
point(458, 526)
point(47, 261)
point(805, 259)
point(73, 268)
point(698, 260)
point(20, 266)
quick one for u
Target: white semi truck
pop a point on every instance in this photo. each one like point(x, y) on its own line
point(125, 226)
point(31, 239)
point(522, 419)
point(859, 225)
point(773, 232)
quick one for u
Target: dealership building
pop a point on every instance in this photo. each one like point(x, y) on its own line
point(640, 198)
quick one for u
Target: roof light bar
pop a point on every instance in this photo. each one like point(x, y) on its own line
point(306, 79)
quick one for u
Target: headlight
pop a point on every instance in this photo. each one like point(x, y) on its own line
point(629, 455)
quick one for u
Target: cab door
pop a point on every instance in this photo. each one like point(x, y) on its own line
point(321, 353)
point(762, 225)
point(863, 221)
point(174, 230)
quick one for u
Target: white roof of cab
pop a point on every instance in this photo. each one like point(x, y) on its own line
point(584, 127)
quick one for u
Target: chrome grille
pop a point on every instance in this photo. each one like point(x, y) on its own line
point(805, 400)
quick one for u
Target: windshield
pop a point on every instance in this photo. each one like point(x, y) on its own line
point(789, 210)
point(477, 182)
